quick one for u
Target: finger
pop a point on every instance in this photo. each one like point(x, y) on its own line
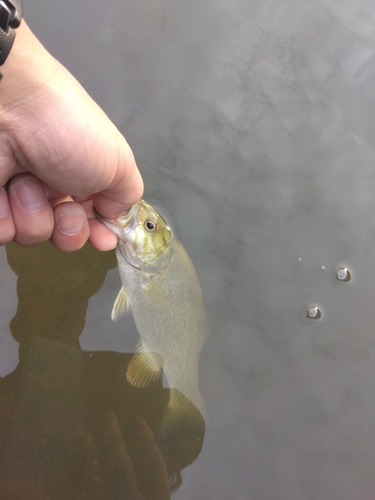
point(118, 471)
point(148, 462)
point(53, 194)
point(83, 479)
point(71, 229)
point(32, 213)
point(7, 227)
point(101, 237)
point(125, 189)
point(84, 198)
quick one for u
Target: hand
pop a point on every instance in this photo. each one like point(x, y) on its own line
point(100, 469)
point(105, 468)
point(61, 153)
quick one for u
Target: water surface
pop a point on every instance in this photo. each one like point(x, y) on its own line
point(253, 125)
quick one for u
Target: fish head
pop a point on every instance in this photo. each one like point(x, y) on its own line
point(144, 237)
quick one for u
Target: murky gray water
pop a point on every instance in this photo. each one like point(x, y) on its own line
point(253, 123)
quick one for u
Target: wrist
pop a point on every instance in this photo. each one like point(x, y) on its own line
point(26, 67)
point(10, 19)
point(25, 90)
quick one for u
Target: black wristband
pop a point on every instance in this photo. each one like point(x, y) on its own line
point(10, 18)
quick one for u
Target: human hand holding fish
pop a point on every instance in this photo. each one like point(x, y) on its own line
point(60, 155)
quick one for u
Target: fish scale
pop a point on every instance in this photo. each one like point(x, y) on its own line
point(171, 325)
point(160, 283)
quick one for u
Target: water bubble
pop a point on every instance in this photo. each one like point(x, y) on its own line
point(343, 274)
point(323, 268)
point(299, 259)
point(313, 312)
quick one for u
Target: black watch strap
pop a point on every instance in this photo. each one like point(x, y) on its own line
point(10, 18)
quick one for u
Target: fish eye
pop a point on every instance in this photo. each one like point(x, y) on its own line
point(151, 226)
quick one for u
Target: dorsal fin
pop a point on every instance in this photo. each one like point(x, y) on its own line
point(145, 368)
point(121, 305)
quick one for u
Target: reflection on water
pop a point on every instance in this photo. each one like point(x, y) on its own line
point(72, 425)
point(253, 122)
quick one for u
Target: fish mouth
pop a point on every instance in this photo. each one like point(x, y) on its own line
point(127, 215)
point(121, 222)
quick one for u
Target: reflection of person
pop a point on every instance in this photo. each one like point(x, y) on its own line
point(60, 155)
point(99, 469)
point(115, 471)
point(70, 421)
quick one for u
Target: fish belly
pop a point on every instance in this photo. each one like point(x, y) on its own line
point(168, 311)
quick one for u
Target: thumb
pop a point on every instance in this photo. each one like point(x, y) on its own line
point(125, 189)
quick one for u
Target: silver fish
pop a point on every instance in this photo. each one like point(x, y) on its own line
point(161, 287)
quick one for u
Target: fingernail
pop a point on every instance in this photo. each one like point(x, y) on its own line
point(4, 204)
point(71, 222)
point(29, 193)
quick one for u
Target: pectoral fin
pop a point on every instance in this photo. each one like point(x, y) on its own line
point(144, 368)
point(121, 305)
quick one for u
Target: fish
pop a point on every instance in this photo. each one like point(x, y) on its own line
point(160, 287)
